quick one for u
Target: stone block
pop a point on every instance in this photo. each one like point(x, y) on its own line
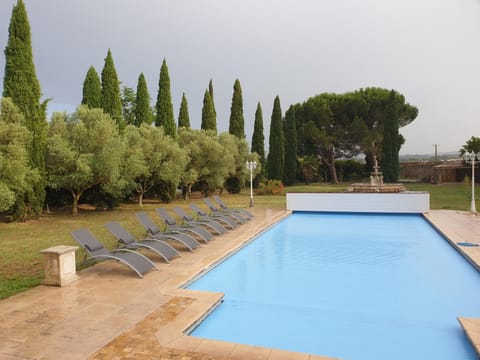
point(60, 267)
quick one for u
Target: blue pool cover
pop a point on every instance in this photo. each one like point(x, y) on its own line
point(351, 286)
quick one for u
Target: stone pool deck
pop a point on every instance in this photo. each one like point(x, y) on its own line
point(109, 313)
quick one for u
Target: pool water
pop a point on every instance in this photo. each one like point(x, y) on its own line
point(352, 286)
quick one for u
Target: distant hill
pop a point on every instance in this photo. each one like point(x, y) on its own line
point(429, 157)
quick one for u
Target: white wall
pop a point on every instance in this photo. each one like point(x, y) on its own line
point(404, 202)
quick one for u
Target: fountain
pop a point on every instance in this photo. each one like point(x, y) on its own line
point(376, 184)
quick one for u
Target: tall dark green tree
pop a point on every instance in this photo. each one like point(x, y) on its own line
point(210, 90)
point(208, 117)
point(143, 112)
point(276, 154)
point(183, 115)
point(111, 99)
point(164, 104)
point(390, 163)
point(129, 98)
point(20, 83)
point(92, 89)
point(290, 170)
point(237, 123)
point(258, 138)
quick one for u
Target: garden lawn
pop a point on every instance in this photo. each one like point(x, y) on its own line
point(21, 264)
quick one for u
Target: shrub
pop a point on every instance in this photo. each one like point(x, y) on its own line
point(271, 187)
point(233, 184)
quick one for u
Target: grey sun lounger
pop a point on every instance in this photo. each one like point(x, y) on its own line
point(247, 214)
point(137, 262)
point(224, 220)
point(173, 227)
point(160, 247)
point(216, 211)
point(210, 224)
point(154, 231)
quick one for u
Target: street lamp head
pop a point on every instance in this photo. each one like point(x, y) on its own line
point(251, 165)
point(470, 156)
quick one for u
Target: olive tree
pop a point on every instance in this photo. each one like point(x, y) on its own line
point(84, 151)
point(17, 177)
point(151, 157)
point(209, 161)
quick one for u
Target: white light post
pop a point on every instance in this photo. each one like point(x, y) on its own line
point(470, 158)
point(251, 165)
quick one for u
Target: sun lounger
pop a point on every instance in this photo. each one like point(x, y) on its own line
point(137, 262)
point(216, 211)
point(224, 220)
point(207, 223)
point(246, 214)
point(154, 231)
point(173, 227)
point(160, 247)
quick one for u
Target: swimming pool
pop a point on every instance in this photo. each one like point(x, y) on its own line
point(353, 286)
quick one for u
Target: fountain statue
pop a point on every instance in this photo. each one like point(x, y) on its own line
point(376, 184)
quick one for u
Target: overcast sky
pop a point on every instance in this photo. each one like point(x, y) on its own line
point(429, 50)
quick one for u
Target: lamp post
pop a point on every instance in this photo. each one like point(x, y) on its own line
point(470, 158)
point(251, 165)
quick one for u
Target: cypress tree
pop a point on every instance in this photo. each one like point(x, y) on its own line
point(111, 100)
point(164, 104)
point(290, 171)
point(276, 160)
point(237, 123)
point(183, 116)
point(258, 138)
point(143, 112)
point(92, 89)
point(20, 83)
point(210, 90)
point(208, 117)
point(391, 142)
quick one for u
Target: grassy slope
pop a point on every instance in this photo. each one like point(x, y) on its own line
point(21, 263)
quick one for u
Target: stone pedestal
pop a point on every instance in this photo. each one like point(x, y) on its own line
point(59, 262)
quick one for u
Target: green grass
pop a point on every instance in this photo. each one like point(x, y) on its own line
point(21, 264)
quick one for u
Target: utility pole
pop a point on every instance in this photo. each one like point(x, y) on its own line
point(436, 146)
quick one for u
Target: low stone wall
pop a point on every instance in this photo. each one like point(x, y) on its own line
point(404, 202)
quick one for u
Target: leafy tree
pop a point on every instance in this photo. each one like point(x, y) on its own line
point(309, 168)
point(471, 145)
point(83, 152)
point(21, 84)
point(210, 162)
point(16, 178)
point(237, 123)
point(128, 105)
point(92, 89)
point(143, 112)
point(239, 174)
point(210, 91)
point(152, 158)
point(258, 138)
point(290, 172)
point(164, 103)
point(276, 155)
point(111, 100)
point(183, 116)
point(332, 125)
point(391, 142)
point(208, 116)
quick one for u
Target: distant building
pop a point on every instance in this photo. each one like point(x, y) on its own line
point(438, 172)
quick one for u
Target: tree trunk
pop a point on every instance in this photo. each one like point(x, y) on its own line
point(76, 197)
point(330, 161)
point(140, 198)
point(185, 191)
point(333, 172)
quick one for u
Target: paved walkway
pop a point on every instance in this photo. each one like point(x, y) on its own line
point(109, 313)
